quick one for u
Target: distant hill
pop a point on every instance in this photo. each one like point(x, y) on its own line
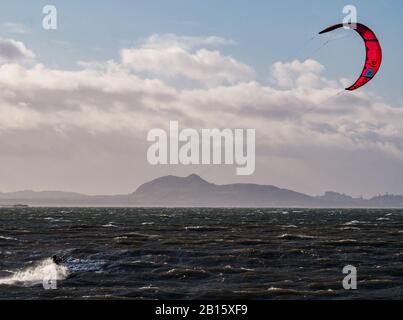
point(193, 191)
point(387, 201)
point(338, 198)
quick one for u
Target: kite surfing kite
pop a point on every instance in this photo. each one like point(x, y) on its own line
point(373, 53)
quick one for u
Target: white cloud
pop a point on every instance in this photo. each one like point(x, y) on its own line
point(299, 74)
point(302, 107)
point(206, 66)
point(172, 56)
point(169, 40)
point(17, 28)
point(299, 116)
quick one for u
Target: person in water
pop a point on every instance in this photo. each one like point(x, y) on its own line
point(57, 260)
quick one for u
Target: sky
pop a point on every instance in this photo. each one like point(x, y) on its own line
point(76, 103)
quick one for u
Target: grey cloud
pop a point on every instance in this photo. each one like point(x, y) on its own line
point(11, 50)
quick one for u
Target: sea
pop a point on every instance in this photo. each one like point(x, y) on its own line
point(209, 254)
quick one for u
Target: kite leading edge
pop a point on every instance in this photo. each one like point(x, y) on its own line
point(373, 53)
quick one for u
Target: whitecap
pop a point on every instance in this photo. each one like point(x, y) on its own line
point(354, 222)
point(148, 223)
point(290, 226)
point(193, 228)
point(109, 225)
point(150, 287)
point(293, 236)
point(37, 274)
point(8, 238)
point(350, 228)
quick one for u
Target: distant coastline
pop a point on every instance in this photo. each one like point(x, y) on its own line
point(20, 206)
point(193, 191)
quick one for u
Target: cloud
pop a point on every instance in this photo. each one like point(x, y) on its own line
point(299, 74)
point(17, 28)
point(172, 56)
point(204, 65)
point(108, 107)
point(169, 40)
point(11, 50)
point(300, 108)
point(109, 97)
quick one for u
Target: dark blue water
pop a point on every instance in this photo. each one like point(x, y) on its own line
point(200, 253)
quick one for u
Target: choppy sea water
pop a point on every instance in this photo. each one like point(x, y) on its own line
point(200, 253)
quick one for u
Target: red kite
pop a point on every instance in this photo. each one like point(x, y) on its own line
point(373, 51)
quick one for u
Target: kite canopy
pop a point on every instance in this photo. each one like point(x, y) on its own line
point(373, 53)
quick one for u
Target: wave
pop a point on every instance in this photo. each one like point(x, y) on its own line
point(150, 287)
point(341, 241)
point(350, 228)
point(295, 236)
point(285, 292)
point(355, 222)
point(186, 273)
point(82, 265)
point(205, 228)
point(292, 226)
point(31, 276)
point(8, 238)
point(109, 225)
